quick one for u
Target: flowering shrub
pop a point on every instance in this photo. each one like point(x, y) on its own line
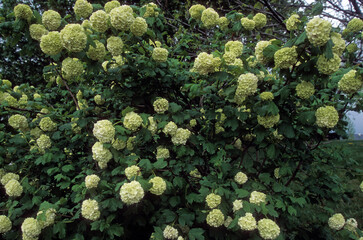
point(196, 127)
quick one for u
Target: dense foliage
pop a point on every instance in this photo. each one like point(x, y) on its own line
point(143, 128)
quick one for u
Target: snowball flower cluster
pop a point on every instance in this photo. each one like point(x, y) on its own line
point(73, 37)
point(268, 121)
point(132, 172)
point(44, 142)
point(82, 8)
point(318, 31)
point(209, 18)
point(305, 90)
point(151, 10)
point(240, 178)
point(339, 43)
point(248, 24)
point(215, 218)
point(92, 181)
point(292, 22)
point(260, 20)
point(131, 193)
point(115, 45)
point(104, 131)
point(23, 11)
point(47, 125)
point(195, 173)
point(122, 17)
point(51, 20)
point(132, 121)
point(267, 96)
point(160, 54)
point(162, 152)
point(153, 127)
point(234, 47)
point(170, 232)
point(229, 57)
point(51, 43)
point(247, 86)
point(37, 31)
point(99, 100)
point(96, 53)
point(181, 136)
point(90, 209)
point(268, 229)
point(31, 228)
point(237, 205)
point(111, 5)
point(260, 46)
point(336, 222)
point(205, 63)
point(161, 105)
point(195, 11)
point(350, 82)
point(223, 23)
point(326, 117)
point(257, 197)
point(13, 188)
point(18, 121)
point(9, 176)
point(213, 200)
point(285, 57)
point(247, 223)
point(49, 217)
point(170, 128)
point(355, 25)
point(5, 224)
point(101, 154)
point(138, 27)
point(328, 66)
point(351, 224)
point(351, 48)
point(98, 21)
point(158, 185)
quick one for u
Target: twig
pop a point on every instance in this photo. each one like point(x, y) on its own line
point(68, 89)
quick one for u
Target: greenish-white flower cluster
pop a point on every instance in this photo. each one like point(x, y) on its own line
point(9, 176)
point(31, 228)
point(285, 57)
point(99, 100)
point(13, 188)
point(351, 224)
point(248, 24)
point(305, 90)
point(96, 53)
point(115, 45)
point(18, 121)
point(268, 121)
point(240, 178)
point(104, 131)
point(111, 5)
point(213, 200)
point(318, 31)
point(162, 152)
point(151, 10)
point(98, 21)
point(215, 218)
point(195, 11)
point(73, 37)
point(260, 46)
point(92, 181)
point(51, 20)
point(131, 193)
point(354, 25)
point(336, 221)
point(90, 209)
point(51, 43)
point(23, 11)
point(132, 172)
point(170, 232)
point(161, 105)
point(339, 43)
point(37, 31)
point(326, 117)
point(257, 197)
point(44, 142)
point(5, 224)
point(205, 63)
point(247, 223)
point(82, 8)
point(209, 18)
point(138, 27)
point(101, 154)
point(158, 185)
point(122, 17)
point(72, 68)
point(292, 22)
point(351, 82)
point(48, 218)
point(47, 125)
point(247, 86)
point(181, 136)
point(132, 121)
point(267, 96)
point(160, 54)
point(268, 229)
point(237, 205)
point(260, 20)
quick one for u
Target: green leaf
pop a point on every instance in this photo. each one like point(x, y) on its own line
point(292, 211)
point(271, 151)
point(241, 193)
point(287, 130)
point(145, 164)
point(301, 38)
point(160, 163)
point(196, 234)
point(307, 118)
point(328, 52)
point(317, 9)
point(173, 107)
point(269, 51)
point(186, 217)
point(169, 215)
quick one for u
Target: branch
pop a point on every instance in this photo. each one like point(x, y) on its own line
point(69, 90)
point(294, 174)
